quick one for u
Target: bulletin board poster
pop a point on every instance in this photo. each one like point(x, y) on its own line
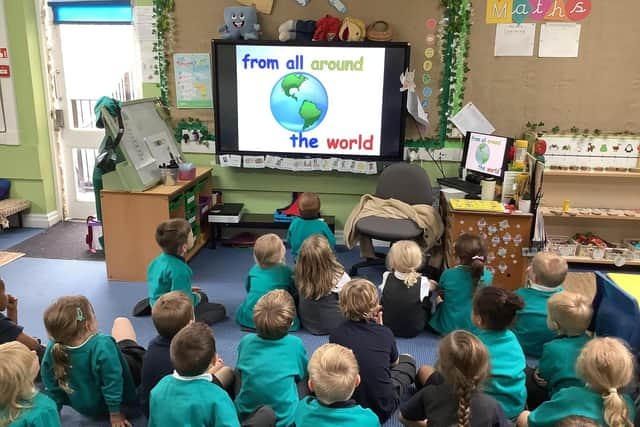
point(193, 80)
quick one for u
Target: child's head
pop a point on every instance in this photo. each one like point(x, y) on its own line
point(269, 250)
point(568, 313)
point(317, 268)
point(472, 252)
point(359, 300)
point(274, 314)
point(69, 322)
point(193, 350)
point(174, 236)
point(333, 373)
point(309, 204)
point(463, 361)
point(18, 368)
point(606, 365)
point(548, 269)
point(172, 312)
point(577, 421)
point(3, 296)
point(405, 256)
point(495, 308)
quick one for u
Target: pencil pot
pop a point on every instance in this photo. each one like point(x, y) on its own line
point(169, 176)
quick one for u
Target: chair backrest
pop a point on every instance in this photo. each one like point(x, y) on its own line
point(615, 312)
point(406, 182)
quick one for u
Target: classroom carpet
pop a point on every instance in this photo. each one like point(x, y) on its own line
point(220, 272)
point(65, 240)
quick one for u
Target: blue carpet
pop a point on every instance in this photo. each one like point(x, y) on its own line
point(220, 273)
point(13, 236)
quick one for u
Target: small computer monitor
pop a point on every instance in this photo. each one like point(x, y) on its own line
point(486, 154)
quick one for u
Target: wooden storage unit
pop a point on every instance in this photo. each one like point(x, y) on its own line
point(130, 221)
point(516, 227)
point(602, 190)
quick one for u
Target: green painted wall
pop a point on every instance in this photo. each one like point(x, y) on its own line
point(28, 165)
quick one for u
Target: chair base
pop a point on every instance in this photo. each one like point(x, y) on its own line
point(369, 262)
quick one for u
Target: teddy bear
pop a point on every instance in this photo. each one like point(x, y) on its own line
point(327, 28)
point(352, 30)
point(296, 29)
point(240, 22)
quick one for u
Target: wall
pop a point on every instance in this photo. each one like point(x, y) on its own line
point(29, 164)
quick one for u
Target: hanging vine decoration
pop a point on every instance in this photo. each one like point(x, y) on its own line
point(163, 29)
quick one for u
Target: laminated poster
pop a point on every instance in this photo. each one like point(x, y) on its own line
point(193, 80)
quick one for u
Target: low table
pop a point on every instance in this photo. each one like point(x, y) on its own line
point(256, 220)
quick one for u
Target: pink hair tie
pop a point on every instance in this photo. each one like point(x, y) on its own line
point(478, 257)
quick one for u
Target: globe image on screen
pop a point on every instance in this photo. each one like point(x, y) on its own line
point(299, 102)
point(482, 154)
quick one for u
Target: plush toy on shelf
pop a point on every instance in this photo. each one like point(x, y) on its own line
point(379, 31)
point(327, 28)
point(352, 30)
point(240, 22)
point(296, 29)
point(336, 4)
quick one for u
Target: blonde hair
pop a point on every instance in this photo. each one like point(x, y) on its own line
point(16, 381)
point(606, 365)
point(359, 300)
point(550, 269)
point(405, 256)
point(67, 320)
point(463, 361)
point(268, 250)
point(333, 371)
point(317, 268)
point(273, 314)
point(570, 311)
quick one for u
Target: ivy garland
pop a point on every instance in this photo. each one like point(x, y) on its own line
point(163, 28)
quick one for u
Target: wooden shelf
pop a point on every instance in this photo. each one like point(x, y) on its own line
point(606, 174)
point(598, 217)
point(587, 260)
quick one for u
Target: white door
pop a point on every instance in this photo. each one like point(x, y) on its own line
point(90, 61)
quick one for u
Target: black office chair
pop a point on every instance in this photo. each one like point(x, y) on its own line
point(401, 181)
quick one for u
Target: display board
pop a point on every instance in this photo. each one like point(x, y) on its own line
point(197, 22)
point(599, 89)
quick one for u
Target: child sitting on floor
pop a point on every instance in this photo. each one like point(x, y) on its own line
point(20, 403)
point(190, 397)
point(385, 374)
point(9, 328)
point(171, 312)
point(92, 372)
point(569, 314)
point(459, 284)
point(546, 274)
point(308, 223)
point(453, 395)
point(405, 293)
point(169, 270)
point(606, 365)
point(270, 272)
point(333, 377)
point(319, 278)
point(271, 362)
point(494, 310)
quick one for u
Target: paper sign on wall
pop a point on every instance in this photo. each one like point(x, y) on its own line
point(559, 40)
point(515, 39)
point(193, 80)
point(556, 12)
point(499, 11)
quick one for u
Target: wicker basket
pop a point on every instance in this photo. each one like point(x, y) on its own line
point(562, 245)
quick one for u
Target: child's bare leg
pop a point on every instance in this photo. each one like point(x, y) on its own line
point(424, 373)
point(123, 330)
point(225, 375)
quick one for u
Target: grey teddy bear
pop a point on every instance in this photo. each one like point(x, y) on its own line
point(240, 22)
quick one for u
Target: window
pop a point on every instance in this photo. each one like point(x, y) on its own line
point(8, 115)
point(91, 11)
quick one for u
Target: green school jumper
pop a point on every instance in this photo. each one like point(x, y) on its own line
point(259, 281)
point(507, 381)
point(301, 228)
point(531, 323)
point(190, 401)
point(558, 363)
point(455, 311)
point(168, 273)
point(99, 377)
point(43, 412)
point(312, 413)
point(270, 370)
point(573, 401)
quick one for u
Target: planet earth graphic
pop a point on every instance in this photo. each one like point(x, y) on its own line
point(299, 102)
point(482, 154)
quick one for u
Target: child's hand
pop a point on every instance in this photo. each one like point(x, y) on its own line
point(433, 284)
point(12, 302)
point(439, 300)
point(379, 317)
point(118, 420)
point(218, 365)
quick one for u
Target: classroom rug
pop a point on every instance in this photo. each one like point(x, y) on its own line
point(581, 283)
point(65, 240)
point(7, 257)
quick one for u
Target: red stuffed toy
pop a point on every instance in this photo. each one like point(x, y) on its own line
point(327, 28)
